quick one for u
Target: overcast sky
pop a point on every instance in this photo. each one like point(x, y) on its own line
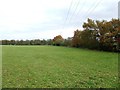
point(44, 19)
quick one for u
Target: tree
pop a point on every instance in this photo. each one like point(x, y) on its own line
point(58, 40)
point(37, 42)
point(49, 42)
point(0, 42)
point(12, 42)
point(90, 34)
point(5, 42)
point(76, 38)
point(68, 41)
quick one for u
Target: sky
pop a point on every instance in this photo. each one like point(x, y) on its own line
point(45, 19)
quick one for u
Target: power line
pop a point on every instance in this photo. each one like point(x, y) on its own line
point(96, 5)
point(90, 10)
point(83, 4)
point(81, 8)
point(68, 13)
point(75, 10)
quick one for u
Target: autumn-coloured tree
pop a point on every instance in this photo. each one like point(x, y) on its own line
point(109, 34)
point(103, 35)
point(58, 40)
point(76, 38)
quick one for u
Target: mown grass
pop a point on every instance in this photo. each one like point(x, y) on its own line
point(50, 66)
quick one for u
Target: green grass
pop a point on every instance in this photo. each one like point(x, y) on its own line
point(50, 66)
point(0, 67)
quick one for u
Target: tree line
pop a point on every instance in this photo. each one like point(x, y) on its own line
point(27, 42)
point(98, 35)
point(57, 41)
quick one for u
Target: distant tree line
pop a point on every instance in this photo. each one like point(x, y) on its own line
point(98, 35)
point(26, 42)
point(57, 41)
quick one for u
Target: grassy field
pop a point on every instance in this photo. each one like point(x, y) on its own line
point(0, 67)
point(50, 66)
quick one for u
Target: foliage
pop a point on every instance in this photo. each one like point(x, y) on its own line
point(102, 35)
point(68, 42)
point(24, 42)
point(58, 40)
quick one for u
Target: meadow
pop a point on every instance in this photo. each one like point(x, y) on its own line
point(58, 67)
